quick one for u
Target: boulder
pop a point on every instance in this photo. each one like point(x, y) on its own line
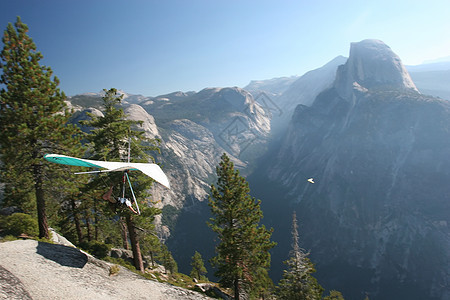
point(212, 290)
point(126, 255)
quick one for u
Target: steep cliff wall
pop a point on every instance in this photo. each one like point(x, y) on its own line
point(376, 217)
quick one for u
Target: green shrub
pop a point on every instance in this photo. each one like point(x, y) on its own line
point(19, 223)
point(96, 248)
point(8, 238)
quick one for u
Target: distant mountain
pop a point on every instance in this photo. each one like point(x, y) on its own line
point(304, 90)
point(434, 83)
point(432, 78)
point(273, 87)
point(376, 218)
point(94, 99)
point(436, 66)
point(236, 121)
point(437, 60)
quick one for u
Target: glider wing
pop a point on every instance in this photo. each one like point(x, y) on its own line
point(151, 170)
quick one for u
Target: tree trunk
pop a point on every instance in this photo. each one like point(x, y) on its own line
point(123, 231)
point(95, 220)
point(138, 263)
point(236, 289)
point(76, 220)
point(88, 227)
point(40, 202)
point(151, 258)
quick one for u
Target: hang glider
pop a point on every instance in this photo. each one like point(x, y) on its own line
point(151, 170)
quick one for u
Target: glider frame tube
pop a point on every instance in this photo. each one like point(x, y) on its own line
point(132, 193)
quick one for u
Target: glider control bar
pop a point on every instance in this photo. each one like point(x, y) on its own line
point(132, 193)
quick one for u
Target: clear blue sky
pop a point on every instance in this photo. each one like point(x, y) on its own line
point(157, 47)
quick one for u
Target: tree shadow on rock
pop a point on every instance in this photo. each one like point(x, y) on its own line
point(63, 255)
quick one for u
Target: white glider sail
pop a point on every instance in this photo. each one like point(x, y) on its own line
point(151, 170)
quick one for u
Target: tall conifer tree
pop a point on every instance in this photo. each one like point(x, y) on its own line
point(33, 118)
point(297, 282)
point(109, 140)
point(243, 250)
point(198, 267)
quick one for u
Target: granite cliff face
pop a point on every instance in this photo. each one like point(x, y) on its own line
point(194, 130)
point(372, 65)
point(238, 124)
point(376, 218)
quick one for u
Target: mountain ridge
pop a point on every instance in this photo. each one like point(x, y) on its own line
point(379, 159)
point(363, 122)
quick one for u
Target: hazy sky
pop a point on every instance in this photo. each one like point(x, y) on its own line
point(157, 47)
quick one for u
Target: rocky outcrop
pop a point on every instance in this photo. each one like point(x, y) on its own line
point(376, 217)
point(211, 289)
point(38, 270)
point(372, 65)
point(137, 113)
point(126, 255)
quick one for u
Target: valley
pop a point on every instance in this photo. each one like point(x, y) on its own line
point(376, 143)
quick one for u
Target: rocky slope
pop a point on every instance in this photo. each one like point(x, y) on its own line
point(376, 217)
point(38, 270)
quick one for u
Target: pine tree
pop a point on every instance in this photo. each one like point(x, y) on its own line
point(167, 260)
point(108, 139)
point(150, 244)
point(33, 118)
point(68, 201)
point(297, 282)
point(243, 250)
point(336, 295)
point(198, 267)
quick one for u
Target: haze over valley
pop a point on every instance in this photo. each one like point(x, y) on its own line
point(337, 113)
point(376, 145)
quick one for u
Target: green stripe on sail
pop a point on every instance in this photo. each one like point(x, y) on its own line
point(71, 161)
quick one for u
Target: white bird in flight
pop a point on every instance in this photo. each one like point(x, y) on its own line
point(311, 180)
